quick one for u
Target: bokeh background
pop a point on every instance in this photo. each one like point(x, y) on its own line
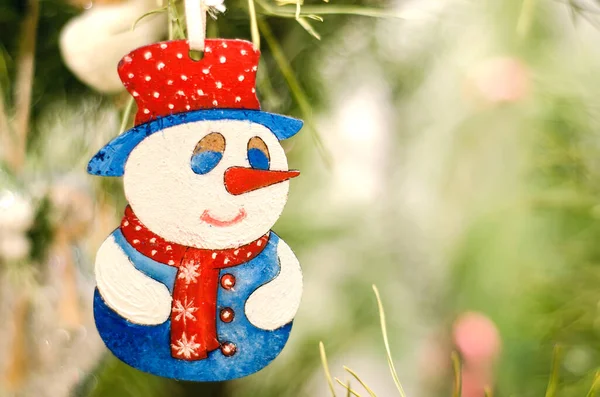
point(451, 157)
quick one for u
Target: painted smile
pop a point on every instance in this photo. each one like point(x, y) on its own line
point(206, 217)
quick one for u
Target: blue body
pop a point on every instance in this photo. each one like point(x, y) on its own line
point(148, 347)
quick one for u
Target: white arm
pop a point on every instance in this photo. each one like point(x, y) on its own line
point(276, 303)
point(126, 290)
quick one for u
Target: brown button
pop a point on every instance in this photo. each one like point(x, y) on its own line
point(227, 315)
point(228, 281)
point(228, 349)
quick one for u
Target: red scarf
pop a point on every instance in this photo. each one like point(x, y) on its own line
point(194, 307)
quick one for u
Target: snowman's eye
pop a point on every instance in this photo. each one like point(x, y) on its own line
point(208, 153)
point(258, 154)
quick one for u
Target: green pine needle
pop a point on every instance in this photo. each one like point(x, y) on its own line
point(326, 368)
point(153, 12)
point(457, 366)
point(308, 27)
point(254, 25)
point(595, 385)
point(553, 382)
point(126, 115)
point(386, 343)
point(363, 384)
point(348, 388)
point(294, 85)
point(175, 21)
point(525, 17)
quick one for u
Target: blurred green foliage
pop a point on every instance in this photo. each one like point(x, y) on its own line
point(526, 252)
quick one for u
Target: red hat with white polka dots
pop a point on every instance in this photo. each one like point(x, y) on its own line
point(164, 80)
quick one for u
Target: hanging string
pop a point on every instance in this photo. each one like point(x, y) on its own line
point(195, 18)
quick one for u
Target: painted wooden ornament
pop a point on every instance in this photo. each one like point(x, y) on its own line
point(193, 285)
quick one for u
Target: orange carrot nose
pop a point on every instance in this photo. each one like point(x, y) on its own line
point(240, 180)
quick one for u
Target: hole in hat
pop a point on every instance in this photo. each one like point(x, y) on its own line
point(195, 55)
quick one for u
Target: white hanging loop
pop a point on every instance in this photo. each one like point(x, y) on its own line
point(195, 18)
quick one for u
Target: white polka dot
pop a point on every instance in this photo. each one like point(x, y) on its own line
point(180, 92)
point(170, 82)
point(126, 223)
point(187, 107)
point(146, 111)
point(163, 46)
point(127, 59)
point(153, 240)
point(148, 55)
point(136, 241)
point(254, 68)
point(241, 77)
point(249, 254)
point(236, 252)
point(206, 71)
point(148, 78)
point(243, 52)
point(135, 93)
point(130, 75)
point(215, 103)
point(179, 55)
point(200, 92)
point(224, 45)
point(183, 77)
point(138, 228)
point(238, 99)
point(222, 59)
point(253, 90)
point(171, 106)
point(226, 261)
point(169, 248)
point(154, 252)
point(219, 84)
point(207, 49)
point(156, 94)
point(171, 262)
point(259, 243)
point(160, 65)
point(214, 255)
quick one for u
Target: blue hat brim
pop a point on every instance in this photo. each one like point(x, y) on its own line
point(111, 159)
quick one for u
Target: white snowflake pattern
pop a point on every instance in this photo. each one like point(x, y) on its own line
point(186, 348)
point(188, 272)
point(184, 310)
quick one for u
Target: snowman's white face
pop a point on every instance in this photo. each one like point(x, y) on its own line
point(175, 183)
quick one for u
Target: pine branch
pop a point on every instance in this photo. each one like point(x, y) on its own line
point(285, 11)
point(24, 85)
point(294, 85)
point(525, 17)
point(17, 368)
point(6, 134)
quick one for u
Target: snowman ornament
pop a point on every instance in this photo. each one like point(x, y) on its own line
point(193, 285)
